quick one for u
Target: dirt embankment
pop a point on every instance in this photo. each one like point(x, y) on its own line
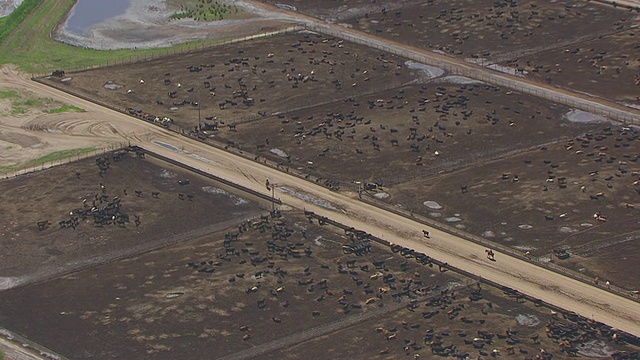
point(146, 24)
point(7, 6)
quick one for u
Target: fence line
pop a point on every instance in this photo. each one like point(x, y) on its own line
point(477, 278)
point(535, 87)
point(495, 245)
point(31, 345)
point(62, 161)
point(473, 71)
point(461, 163)
point(467, 70)
point(184, 49)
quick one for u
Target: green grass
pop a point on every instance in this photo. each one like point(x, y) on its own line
point(1, 353)
point(9, 23)
point(34, 102)
point(64, 108)
point(26, 42)
point(205, 10)
point(20, 106)
point(9, 94)
point(16, 109)
point(7, 169)
point(54, 156)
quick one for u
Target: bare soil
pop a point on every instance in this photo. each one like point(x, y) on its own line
point(606, 67)
point(546, 199)
point(601, 42)
point(196, 298)
point(368, 101)
point(35, 133)
point(406, 130)
point(202, 298)
point(300, 68)
point(31, 253)
point(340, 10)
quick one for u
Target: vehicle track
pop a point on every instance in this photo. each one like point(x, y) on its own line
point(456, 66)
point(314, 332)
point(584, 299)
point(51, 272)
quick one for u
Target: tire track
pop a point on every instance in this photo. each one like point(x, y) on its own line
point(51, 272)
point(313, 333)
point(515, 273)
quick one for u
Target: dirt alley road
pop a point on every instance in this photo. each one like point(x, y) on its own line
point(455, 66)
point(586, 300)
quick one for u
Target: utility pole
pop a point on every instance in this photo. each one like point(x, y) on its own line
point(273, 197)
point(272, 187)
point(199, 116)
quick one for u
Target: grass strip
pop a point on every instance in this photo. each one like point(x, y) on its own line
point(64, 108)
point(27, 42)
point(9, 94)
point(57, 155)
point(9, 23)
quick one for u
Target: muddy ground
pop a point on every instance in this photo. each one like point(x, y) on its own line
point(244, 81)
point(407, 133)
point(204, 298)
point(31, 252)
point(606, 67)
point(596, 56)
point(405, 130)
point(377, 114)
point(341, 10)
point(546, 199)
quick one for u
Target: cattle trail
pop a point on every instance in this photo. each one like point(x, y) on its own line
point(51, 272)
point(313, 333)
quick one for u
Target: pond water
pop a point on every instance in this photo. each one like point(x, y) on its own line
point(7, 6)
point(86, 13)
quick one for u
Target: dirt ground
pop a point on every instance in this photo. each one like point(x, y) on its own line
point(517, 330)
point(202, 298)
point(300, 68)
point(493, 30)
point(28, 132)
point(407, 133)
point(601, 42)
point(457, 122)
point(340, 10)
point(509, 200)
point(606, 67)
point(147, 24)
point(31, 253)
point(410, 124)
point(410, 113)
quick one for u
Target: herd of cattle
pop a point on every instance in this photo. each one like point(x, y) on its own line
point(286, 271)
point(103, 208)
point(441, 117)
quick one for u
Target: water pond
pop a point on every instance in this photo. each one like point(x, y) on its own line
point(86, 13)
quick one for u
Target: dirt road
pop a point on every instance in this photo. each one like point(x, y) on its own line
point(554, 288)
point(455, 66)
point(16, 350)
point(29, 136)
